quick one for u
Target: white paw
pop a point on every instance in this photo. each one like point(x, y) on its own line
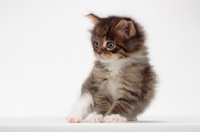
point(96, 118)
point(74, 119)
point(114, 118)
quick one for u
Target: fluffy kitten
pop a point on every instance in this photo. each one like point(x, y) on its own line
point(121, 84)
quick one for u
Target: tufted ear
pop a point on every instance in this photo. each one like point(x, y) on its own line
point(126, 28)
point(95, 19)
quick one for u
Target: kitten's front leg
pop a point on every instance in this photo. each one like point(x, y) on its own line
point(83, 106)
point(102, 105)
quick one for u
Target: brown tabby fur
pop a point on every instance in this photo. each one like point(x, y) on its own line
point(136, 78)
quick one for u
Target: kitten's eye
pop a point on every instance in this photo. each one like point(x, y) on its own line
point(96, 44)
point(110, 45)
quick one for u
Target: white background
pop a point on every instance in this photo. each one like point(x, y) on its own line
point(45, 53)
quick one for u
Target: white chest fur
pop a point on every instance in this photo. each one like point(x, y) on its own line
point(113, 86)
point(114, 67)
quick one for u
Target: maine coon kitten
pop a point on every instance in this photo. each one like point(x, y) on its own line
point(121, 84)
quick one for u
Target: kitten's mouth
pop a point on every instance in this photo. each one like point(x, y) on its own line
point(101, 57)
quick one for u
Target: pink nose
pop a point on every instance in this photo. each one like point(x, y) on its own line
point(99, 52)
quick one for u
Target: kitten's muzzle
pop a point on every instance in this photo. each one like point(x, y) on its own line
point(99, 52)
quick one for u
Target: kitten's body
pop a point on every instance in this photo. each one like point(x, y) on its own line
point(121, 84)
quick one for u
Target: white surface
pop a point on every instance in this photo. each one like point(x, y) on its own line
point(45, 53)
point(59, 124)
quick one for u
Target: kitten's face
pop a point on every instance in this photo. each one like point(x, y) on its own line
point(107, 42)
point(113, 38)
point(107, 49)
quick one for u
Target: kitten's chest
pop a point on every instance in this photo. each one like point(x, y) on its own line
point(111, 87)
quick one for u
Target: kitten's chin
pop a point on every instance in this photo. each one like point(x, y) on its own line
point(104, 60)
point(101, 58)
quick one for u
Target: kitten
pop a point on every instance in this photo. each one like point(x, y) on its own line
point(121, 84)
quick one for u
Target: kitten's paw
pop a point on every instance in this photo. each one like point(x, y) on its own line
point(74, 119)
point(96, 118)
point(114, 118)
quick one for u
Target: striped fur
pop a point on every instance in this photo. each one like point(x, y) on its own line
point(122, 81)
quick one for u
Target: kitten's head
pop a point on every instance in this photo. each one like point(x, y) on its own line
point(115, 38)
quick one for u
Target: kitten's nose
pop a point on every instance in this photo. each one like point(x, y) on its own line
point(99, 52)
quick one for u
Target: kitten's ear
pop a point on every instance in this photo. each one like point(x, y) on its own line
point(95, 19)
point(126, 28)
